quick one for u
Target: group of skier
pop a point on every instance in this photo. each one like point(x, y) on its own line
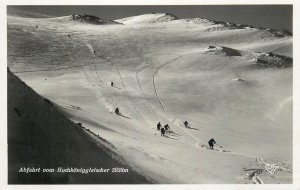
point(165, 128)
point(162, 129)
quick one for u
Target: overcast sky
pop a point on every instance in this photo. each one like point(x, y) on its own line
point(268, 16)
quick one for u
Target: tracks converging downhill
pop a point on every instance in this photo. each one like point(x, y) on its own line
point(255, 178)
point(133, 98)
point(143, 95)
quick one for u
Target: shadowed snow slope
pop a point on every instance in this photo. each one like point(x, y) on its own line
point(163, 70)
point(227, 51)
point(41, 137)
point(87, 19)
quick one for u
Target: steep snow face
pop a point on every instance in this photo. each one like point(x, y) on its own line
point(170, 72)
point(40, 136)
point(148, 18)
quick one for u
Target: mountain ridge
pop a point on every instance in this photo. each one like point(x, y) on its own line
point(148, 19)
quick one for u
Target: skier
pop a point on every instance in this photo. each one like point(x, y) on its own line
point(162, 131)
point(117, 111)
point(167, 127)
point(69, 36)
point(211, 143)
point(112, 84)
point(36, 26)
point(94, 52)
point(186, 124)
point(158, 126)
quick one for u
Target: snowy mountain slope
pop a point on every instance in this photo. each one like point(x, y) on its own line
point(83, 18)
point(40, 136)
point(12, 11)
point(148, 18)
point(214, 24)
point(165, 73)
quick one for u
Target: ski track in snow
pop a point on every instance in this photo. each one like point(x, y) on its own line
point(255, 178)
point(90, 47)
point(153, 79)
point(98, 78)
point(100, 84)
point(143, 95)
point(120, 76)
point(88, 77)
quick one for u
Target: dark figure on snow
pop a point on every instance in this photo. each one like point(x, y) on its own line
point(158, 126)
point(211, 143)
point(167, 127)
point(162, 131)
point(186, 124)
point(117, 111)
point(112, 84)
point(36, 27)
point(94, 52)
point(69, 36)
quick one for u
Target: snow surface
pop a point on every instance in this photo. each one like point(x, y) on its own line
point(40, 136)
point(163, 72)
point(148, 18)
